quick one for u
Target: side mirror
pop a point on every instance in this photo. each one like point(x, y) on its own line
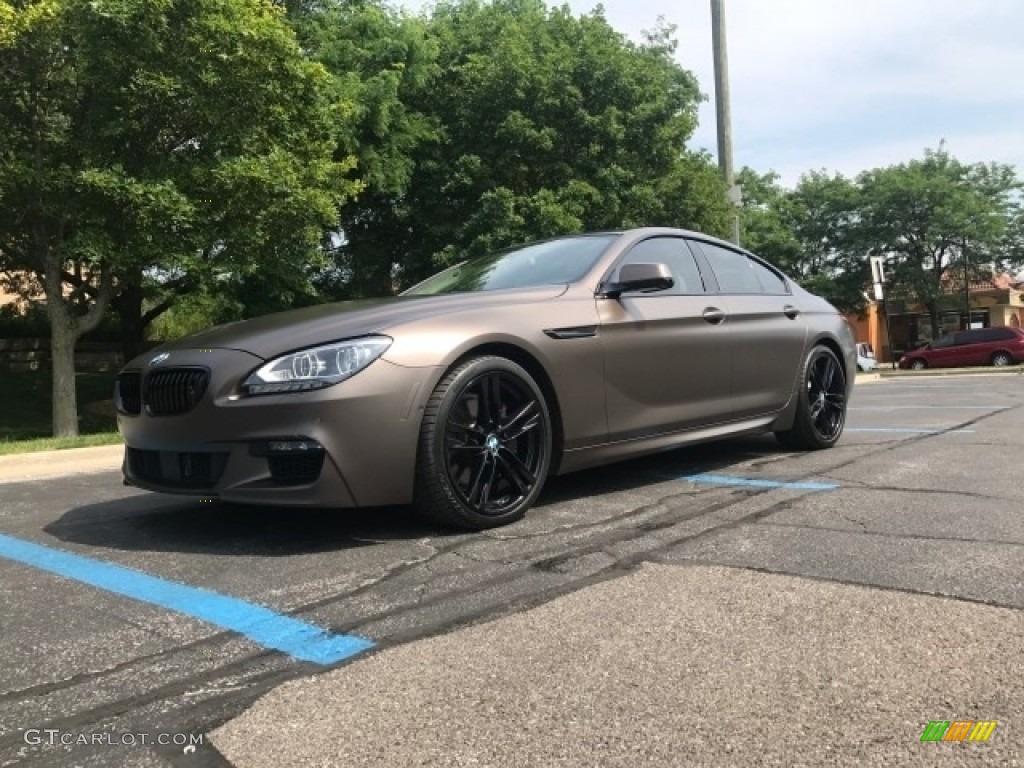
point(639, 277)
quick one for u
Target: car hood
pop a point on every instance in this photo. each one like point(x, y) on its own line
point(282, 332)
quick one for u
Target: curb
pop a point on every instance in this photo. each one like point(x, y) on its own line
point(44, 465)
point(979, 371)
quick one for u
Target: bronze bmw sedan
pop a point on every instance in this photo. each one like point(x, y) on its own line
point(465, 392)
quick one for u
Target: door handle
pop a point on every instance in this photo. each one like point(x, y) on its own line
point(790, 311)
point(714, 315)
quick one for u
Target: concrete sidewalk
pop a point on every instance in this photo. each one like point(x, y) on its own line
point(667, 666)
point(46, 465)
point(987, 370)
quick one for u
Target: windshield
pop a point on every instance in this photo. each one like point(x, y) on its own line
point(551, 262)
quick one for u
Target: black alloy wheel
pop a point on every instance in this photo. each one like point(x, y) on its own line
point(821, 407)
point(485, 445)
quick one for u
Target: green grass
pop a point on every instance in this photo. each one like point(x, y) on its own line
point(8, 447)
point(25, 412)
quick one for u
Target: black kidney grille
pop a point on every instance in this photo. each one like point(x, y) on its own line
point(170, 391)
point(128, 392)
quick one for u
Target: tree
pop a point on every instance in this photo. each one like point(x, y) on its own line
point(808, 232)
point(936, 219)
point(767, 219)
point(160, 140)
point(378, 59)
point(543, 123)
point(833, 262)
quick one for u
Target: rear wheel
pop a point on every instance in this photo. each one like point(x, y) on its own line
point(918, 365)
point(821, 406)
point(1001, 358)
point(485, 445)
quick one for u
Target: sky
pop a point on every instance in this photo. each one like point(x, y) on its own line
point(849, 85)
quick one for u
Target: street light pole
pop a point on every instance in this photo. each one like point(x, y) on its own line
point(722, 115)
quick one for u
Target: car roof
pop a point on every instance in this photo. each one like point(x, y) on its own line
point(648, 231)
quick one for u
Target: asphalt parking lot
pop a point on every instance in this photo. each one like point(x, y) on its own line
point(862, 591)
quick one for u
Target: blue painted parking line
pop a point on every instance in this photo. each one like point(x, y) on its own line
point(296, 638)
point(757, 482)
point(910, 431)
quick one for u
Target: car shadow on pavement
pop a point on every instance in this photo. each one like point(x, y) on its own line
point(163, 523)
point(647, 470)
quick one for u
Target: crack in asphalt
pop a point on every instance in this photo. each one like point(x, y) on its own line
point(691, 563)
point(892, 534)
point(866, 487)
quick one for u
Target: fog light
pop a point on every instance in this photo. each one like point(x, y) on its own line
point(288, 446)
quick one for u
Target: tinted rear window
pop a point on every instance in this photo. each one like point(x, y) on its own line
point(983, 335)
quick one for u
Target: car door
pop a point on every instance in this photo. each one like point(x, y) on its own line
point(946, 352)
point(978, 346)
point(668, 362)
point(768, 330)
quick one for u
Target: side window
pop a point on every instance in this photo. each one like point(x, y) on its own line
point(995, 334)
point(673, 253)
point(770, 281)
point(945, 341)
point(736, 273)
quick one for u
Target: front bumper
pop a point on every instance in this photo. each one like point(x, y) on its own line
point(366, 430)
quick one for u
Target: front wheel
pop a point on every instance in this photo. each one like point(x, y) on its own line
point(485, 445)
point(821, 404)
point(918, 365)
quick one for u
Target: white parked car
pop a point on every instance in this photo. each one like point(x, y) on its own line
point(866, 357)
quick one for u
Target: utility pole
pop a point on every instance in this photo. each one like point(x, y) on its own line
point(967, 286)
point(878, 281)
point(722, 114)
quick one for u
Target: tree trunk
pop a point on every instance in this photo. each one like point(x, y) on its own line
point(65, 330)
point(128, 306)
point(63, 335)
point(62, 361)
point(933, 314)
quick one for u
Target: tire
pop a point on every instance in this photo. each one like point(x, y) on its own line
point(484, 447)
point(918, 365)
point(821, 404)
point(1001, 359)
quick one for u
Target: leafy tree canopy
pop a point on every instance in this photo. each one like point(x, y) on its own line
point(541, 123)
point(936, 219)
point(166, 137)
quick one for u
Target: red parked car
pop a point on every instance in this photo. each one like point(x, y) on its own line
point(982, 346)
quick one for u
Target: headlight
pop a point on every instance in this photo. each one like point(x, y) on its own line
point(317, 367)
